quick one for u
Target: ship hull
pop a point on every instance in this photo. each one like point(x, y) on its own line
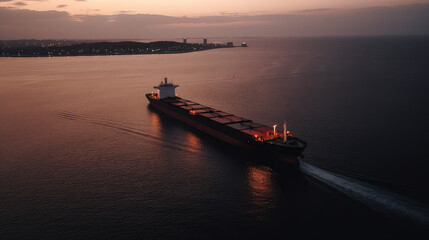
point(225, 134)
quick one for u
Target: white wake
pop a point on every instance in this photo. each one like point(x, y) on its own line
point(381, 200)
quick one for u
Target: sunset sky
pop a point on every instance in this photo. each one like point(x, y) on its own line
point(169, 18)
point(195, 8)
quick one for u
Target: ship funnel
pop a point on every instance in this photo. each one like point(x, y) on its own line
point(165, 80)
point(284, 132)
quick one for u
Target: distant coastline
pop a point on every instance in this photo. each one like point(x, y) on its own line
point(58, 48)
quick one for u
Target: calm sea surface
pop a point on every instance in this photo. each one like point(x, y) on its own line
point(82, 155)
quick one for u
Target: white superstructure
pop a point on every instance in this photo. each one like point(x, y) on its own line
point(166, 89)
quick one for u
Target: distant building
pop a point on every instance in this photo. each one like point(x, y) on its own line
point(185, 40)
point(229, 44)
point(205, 41)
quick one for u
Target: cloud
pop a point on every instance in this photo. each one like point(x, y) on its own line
point(20, 4)
point(126, 12)
point(5, 0)
point(62, 6)
point(216, 24)
point(316, 10)
point(400, 20)
point(234, 14)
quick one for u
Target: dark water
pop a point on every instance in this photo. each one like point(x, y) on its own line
point(82, 155)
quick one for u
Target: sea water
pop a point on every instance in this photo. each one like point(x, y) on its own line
point(82, 155)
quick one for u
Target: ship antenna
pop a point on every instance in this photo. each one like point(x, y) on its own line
point(275, 129)
point(284, 132)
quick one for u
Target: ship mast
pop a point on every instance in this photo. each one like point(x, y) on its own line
point(284, 132)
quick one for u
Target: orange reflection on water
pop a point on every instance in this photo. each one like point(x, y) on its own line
point(156, 121)
point(192, 141)
point(156, 124)
point(193, 144)
point(261, 188)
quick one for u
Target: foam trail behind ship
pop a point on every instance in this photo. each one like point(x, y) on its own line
point(383, 201)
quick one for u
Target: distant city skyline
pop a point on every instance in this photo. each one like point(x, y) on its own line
point(81, 19)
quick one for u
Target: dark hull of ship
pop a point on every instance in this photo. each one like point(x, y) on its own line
point(229, 135)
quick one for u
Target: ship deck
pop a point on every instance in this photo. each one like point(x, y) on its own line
point(255, 130)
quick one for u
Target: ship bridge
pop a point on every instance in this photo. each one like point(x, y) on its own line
point(166, 89)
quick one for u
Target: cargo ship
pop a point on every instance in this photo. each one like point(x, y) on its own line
point(231, 129)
